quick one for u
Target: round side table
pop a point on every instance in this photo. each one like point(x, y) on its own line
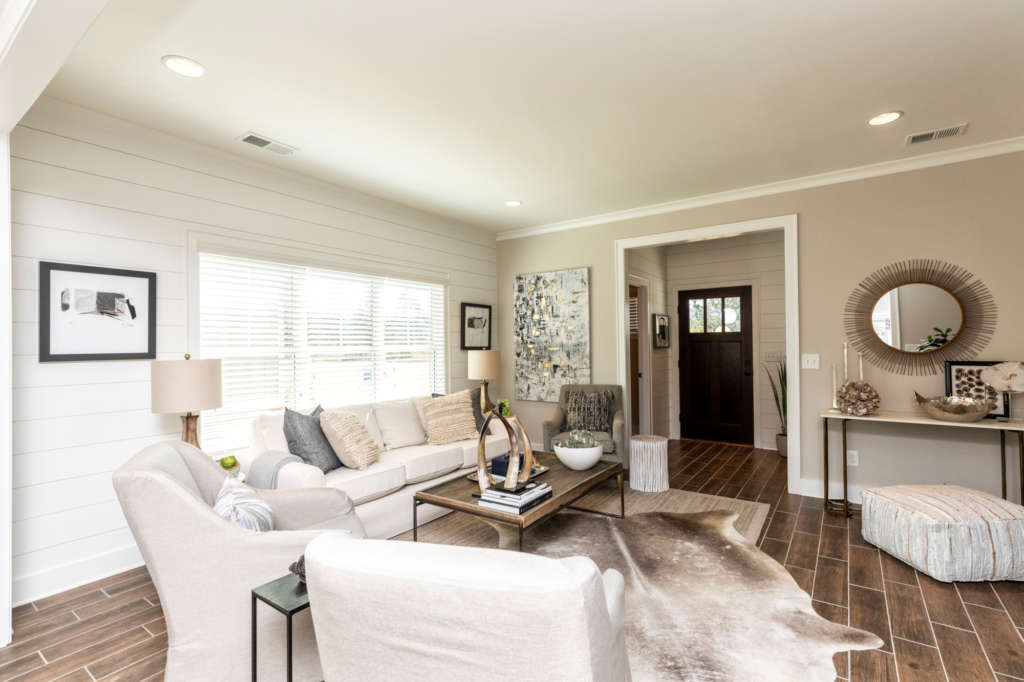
point(648, 463)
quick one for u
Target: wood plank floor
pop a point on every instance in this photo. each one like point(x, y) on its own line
point(113, 629)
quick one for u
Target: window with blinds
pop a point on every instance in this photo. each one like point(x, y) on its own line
point(296, 336)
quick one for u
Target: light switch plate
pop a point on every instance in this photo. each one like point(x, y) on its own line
point(810, 361)
point(852, 458)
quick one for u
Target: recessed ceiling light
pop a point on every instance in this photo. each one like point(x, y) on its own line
point(883, 118)
point(513, 203)
point(183, 66)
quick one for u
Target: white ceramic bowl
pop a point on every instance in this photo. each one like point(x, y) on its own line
point(578, 459)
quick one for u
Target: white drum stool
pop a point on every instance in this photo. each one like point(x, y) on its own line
point(648, 463)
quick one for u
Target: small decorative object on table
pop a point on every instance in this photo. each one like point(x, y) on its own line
point(964, 378)
point(779, 384)
point(578, 451)
point(858, 398)
point(298, 567)
point(955, 408)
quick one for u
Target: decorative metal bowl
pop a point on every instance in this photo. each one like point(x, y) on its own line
point(954, 408)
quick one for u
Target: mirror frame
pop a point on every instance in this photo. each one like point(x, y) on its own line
point(978, 315)
point(930, 284)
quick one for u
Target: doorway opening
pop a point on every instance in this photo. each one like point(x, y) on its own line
point(716, 365)
point(639, 359)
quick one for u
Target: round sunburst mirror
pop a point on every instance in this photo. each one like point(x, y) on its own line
point(912, 316)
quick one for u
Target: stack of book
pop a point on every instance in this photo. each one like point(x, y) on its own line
point(515, 501)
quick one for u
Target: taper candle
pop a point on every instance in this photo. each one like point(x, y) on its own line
point(846, 364)
point(860, 360)
point(835, 387)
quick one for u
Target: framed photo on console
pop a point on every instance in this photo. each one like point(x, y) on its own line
point(92, 313)
point(476, 326)
point(963, 378)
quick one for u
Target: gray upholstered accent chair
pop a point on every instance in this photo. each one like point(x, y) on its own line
point(614, 442)
point(204, 566)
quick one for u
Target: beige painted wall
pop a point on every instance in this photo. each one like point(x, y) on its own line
point(966, 213)
point(754, 260)
point(649, 264)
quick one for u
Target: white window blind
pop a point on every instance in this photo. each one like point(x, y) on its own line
point(296, 336)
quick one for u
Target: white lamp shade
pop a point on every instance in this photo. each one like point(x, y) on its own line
point(484, 365)
point(180, 386)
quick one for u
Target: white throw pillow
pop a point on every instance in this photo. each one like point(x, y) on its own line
point(349, 438)
point(399, 424)
point(240, 504)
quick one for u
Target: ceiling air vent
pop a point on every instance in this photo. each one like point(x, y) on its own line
point(264, 142)
point(938, 134)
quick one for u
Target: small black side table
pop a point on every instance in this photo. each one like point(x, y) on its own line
point(286, 595)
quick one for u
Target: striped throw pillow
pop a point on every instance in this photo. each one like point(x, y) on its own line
point(240, 504)
point(350, 439)
point(449, 418)
point(589, 411)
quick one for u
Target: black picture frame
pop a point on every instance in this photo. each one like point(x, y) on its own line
point(661, 335)
point(45, 271)
point(1002, 411)
point(465, 315)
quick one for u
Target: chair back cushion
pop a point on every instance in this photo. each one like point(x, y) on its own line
point(590, 411)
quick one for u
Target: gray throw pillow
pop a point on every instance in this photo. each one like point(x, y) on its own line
point(591, 411)
point(307, 440)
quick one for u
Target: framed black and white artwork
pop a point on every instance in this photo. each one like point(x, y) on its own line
point(476, 326)
point(963, 378)
point(659, 330)
point(90, 313)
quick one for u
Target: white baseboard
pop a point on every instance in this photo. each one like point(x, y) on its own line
point(41, 584)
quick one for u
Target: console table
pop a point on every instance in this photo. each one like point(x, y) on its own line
point(917, 418)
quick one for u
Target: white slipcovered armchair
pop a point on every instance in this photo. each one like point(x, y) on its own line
point(204, 567)
point(400, 611)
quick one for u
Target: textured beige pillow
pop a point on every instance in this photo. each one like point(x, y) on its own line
point(449, 418)
point(349, 439)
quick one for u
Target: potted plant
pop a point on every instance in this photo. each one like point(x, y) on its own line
point(778, 382)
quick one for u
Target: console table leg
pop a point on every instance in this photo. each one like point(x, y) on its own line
point(846, 499)
point(1002, 460)
point(824, 428)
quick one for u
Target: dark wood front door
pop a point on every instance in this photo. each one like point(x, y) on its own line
point(716, 373)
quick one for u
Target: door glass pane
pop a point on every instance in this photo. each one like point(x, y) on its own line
point(697, 316)
point(714, 315)
point(732, 314)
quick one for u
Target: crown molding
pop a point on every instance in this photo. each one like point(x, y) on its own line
point(874, 170)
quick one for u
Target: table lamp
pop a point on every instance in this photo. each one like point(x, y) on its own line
point(188, 386)
point(484, 365)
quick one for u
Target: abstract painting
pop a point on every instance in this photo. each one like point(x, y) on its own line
point(91, 313)
point(551, 325)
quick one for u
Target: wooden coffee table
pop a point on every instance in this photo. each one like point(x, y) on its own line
point(567, 486)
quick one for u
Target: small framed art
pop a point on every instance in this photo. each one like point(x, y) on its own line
point(963, 378)
point(91, 313)
point(659, 330)
point(476, 326)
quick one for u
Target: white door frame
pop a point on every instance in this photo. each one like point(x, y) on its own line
point(786, 223)
point(643, 351)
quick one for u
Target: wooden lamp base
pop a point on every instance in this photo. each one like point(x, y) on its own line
point(190, 428)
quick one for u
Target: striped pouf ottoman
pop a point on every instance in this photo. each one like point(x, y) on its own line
point(648, 463)
point(947, 531)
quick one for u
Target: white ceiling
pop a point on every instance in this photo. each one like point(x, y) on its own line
point(576, 107)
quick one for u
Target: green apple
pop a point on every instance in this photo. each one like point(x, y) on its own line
point(229, 462)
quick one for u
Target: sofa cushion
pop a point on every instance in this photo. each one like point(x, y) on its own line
point(268, 433)
point(424, 462)
point(495, 446)
point(362, 485)
point(449, 418)
point(307, 440)
point(602, 437)
point(349, 438)
point(399, 424)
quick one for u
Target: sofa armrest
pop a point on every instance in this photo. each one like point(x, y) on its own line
point(614, 597)
point(619, 436)
point(553, 427)
point(300, 475)
point(313, 509)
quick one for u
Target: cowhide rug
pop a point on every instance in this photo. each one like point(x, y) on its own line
point(702, 602)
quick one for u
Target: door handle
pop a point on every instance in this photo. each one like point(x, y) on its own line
point(639, 375)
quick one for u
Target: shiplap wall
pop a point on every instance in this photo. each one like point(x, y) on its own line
point(96, 190)
point(757, 260)
point(650, 264)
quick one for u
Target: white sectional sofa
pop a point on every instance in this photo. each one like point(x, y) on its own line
point(383, 491)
